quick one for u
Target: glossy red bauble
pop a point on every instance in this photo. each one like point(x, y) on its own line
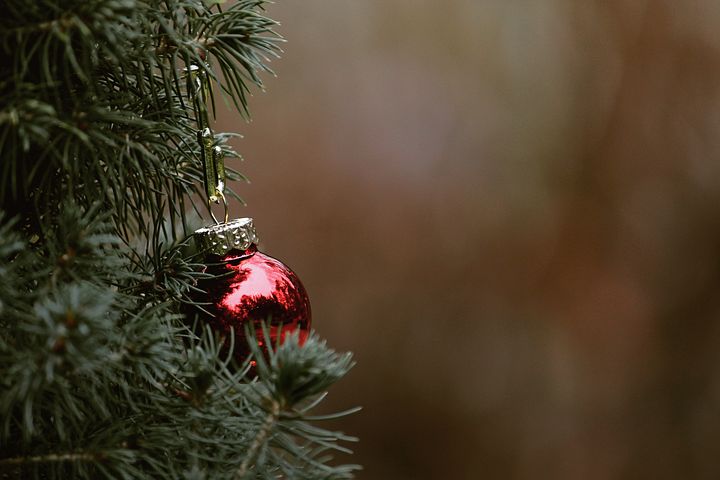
point(250, 288)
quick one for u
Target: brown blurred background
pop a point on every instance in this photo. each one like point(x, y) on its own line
point(510, 211)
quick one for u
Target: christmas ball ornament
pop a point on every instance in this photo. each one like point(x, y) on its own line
point(249, 288)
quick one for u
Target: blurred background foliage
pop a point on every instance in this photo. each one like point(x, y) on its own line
point(510, 211)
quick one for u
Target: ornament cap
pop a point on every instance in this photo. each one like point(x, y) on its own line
point(237, 234)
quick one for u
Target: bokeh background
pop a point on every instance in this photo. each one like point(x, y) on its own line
point(510, 211)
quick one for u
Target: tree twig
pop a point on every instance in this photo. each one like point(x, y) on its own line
point(51, 457)
point(259, 440)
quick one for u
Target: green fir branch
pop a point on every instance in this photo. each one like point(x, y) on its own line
point(100, 374)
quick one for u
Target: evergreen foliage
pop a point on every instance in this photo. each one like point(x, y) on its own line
point(100, 375)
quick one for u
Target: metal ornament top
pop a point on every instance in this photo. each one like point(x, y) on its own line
point(238, 234)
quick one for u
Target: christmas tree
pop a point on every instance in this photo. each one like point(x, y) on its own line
point(107, 368)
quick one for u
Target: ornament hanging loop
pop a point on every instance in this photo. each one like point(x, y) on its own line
point(225, 208)
point(212, 156)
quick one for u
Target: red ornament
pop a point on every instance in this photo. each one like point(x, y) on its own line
point(250, 288)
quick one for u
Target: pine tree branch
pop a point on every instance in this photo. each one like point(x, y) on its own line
point(98, 359)
point(52, 457)
point(166, 48)
point(259, 440)
point(63, 23)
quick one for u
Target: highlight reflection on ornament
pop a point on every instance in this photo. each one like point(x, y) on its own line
point(250, 288)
